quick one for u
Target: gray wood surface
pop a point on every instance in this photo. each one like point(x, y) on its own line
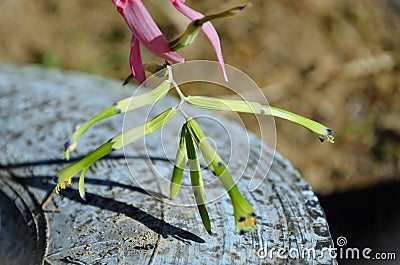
point(127, 218)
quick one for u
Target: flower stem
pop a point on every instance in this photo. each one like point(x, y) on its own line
point(179, 91)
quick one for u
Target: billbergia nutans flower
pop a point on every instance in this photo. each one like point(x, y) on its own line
point(146, 32)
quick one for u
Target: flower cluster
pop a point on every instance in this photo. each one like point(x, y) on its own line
point(191, 135)
point(145, 31)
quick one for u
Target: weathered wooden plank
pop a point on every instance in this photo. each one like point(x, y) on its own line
point(128, 218)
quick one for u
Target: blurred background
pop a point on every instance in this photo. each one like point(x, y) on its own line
point(337, 62)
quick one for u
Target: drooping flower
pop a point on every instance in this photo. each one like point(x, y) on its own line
point(119, 107)
point(179, 165)
point(65, 175)
point(242, 209)
point(207, 28)
point(322, 132)
point(144, 31)
point(243, 212)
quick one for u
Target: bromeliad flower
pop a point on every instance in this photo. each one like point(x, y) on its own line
point(144, 31)
point(192, 140)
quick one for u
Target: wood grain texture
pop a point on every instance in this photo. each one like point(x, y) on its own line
point(127, 218)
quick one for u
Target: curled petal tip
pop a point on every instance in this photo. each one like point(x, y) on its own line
point(242, 232)
point(224, 74)
point(241, 8)
point(83, 197)
point(70, 146)
point(55, 179)
point(321, 138)
point(67, 144)
point(329, 136)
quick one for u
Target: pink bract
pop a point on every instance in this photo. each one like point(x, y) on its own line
point(208, 29)
point(144, 31)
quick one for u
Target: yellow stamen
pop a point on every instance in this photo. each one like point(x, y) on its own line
point(246, 223)
point(69, 181)
point(252, 220)
point(62, 185)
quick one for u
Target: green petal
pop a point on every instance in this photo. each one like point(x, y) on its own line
point(82, 183)
point(194, 27)
point(71, 144)
point(321, 131)
point(243, 211)
point(71, 170)
point(179, 166)
point(197, 181)
point(121, 106)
